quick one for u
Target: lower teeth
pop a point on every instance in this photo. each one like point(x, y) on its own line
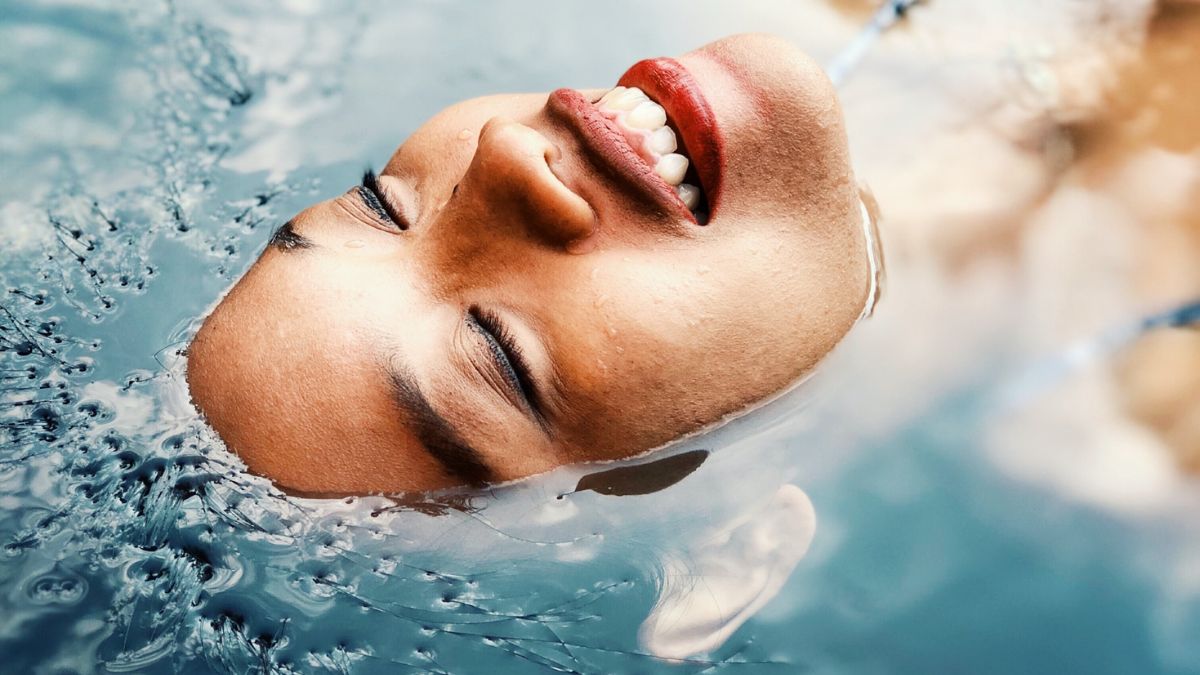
point(690, 194)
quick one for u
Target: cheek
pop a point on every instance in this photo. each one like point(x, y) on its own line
point(716, 329)
point(641, 319)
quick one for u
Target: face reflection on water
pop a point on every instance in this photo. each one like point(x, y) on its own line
point(502, 299)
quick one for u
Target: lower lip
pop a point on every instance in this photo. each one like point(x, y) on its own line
point(673, 87)
point(667, 82)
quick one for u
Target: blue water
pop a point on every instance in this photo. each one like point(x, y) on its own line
point(147, 151)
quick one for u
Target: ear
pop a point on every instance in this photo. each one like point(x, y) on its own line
point(715, 586)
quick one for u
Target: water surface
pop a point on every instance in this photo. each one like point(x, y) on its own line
point(888, 516)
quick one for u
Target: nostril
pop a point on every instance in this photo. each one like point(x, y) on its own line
point(519, 170)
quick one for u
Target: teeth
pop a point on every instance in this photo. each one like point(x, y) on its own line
point(661, 141)
point(648, 119)
point(628, 99)
point(690, 194)
point(647, 115)
point(672, 167)
point(609, 96)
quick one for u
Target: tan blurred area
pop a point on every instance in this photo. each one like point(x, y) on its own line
point(1042, 156)
point(1146, 148)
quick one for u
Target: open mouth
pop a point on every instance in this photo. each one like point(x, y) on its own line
point(655, 132)
point(667, 84)
point(645, 125)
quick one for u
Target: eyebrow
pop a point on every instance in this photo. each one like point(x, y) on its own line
point(287, 239)
point(441, 440)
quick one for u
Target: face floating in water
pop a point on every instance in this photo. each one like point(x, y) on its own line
point(538, 280)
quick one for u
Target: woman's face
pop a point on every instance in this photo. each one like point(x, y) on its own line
point(524, 286)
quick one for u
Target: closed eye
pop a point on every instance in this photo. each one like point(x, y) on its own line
point(372, 196)
point(509, 358)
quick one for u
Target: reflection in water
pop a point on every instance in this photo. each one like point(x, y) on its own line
point(148, 152)
point(643, 478)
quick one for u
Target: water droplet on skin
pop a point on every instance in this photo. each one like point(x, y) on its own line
point(355, 243)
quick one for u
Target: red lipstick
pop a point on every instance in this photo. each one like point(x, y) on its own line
point(670, 84)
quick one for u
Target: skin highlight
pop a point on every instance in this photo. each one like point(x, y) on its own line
point(357, 355)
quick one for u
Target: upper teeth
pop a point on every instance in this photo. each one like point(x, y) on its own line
point(661, 141)
point(671, 167)
point(645, 125)
point(623, 98)
point(647, 115)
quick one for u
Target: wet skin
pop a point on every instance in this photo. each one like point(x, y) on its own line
point(380, 349)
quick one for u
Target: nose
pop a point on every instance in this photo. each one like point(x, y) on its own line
point(512, 177)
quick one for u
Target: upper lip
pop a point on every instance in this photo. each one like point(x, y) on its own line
point(665, 81)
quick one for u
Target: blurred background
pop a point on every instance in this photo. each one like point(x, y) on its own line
point(994, 489)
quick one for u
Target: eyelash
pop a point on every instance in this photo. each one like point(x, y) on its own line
point(369, 192)
point(512, 353)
